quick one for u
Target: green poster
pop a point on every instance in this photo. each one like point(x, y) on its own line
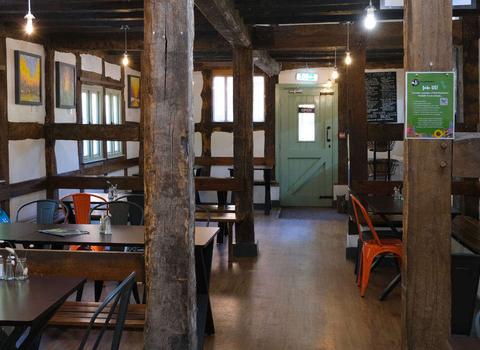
point(430, 105)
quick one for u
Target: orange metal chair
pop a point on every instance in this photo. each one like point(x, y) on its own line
point(373, 247)
point(81, 206)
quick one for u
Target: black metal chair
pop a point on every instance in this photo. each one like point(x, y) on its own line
point(45, 210)
point(120, 215)
point(135, 215)
point(120, 295)
point(201, 207)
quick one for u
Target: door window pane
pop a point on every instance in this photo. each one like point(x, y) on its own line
point(306, 123)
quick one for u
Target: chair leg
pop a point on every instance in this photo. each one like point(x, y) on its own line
point(360, 270)
point(135, 293)
point(98, 290)
point(366, 267)
point(79, 293)
point(359, 251)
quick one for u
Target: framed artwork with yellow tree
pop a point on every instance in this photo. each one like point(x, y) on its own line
point(28, 78)
point(133, 91)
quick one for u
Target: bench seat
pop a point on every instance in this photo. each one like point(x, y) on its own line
point(78, 314)
point(218, 208)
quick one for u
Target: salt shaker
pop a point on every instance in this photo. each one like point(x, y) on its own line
point(108, 225)
point(9, 274)
point(102, 224)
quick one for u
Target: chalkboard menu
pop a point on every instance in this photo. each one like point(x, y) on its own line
point(381, 93)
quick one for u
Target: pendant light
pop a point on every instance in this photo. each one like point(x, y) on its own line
point(348, 57)
point(329, 81)
point(29, 17)
point(125, 55)
point(370, 19)
point(335, 69)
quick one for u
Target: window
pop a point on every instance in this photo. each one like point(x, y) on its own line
point(223, 99)
point(306, 123)
point(113, 112)
point(91, 114)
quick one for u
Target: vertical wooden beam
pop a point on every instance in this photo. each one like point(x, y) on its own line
point(124, 113)
point(342, 126)
point(243, 148)
point(167, 64)
point(207, 117)
point(426, 292)
point(50, 160)
point(270, 83)
point(471, 101)
point(4, 162)
point(78, 104)
point(357, 110)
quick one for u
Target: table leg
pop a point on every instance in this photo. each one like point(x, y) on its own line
point(230, 242)
point(391, 287)
point(267, 176)
point(12, 338)
point(233, 192)
point(222, 201)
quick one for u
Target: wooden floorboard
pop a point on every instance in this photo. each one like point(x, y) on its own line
point(300, 293)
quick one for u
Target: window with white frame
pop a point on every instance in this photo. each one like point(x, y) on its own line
point(113, 115)
point(92, 114)
point(223, 99)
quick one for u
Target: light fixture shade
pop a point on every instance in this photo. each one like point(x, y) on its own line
point(335, 73)
point(370, 20)
point(348, 58)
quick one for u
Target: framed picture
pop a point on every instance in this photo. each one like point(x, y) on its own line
point(133, 91)
point(28, 78)
point(65, 85)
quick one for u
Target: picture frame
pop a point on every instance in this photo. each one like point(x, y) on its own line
point(134, 100)
point(65, 85)
point(28, 78)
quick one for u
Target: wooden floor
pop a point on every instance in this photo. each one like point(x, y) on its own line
point(300, 293)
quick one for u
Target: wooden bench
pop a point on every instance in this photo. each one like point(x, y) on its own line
point(466, 230)
point(229, 218)
point(218, 208)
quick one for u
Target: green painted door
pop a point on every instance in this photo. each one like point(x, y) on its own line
point(306, 134)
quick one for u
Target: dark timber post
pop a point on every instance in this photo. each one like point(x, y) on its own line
point(50, 160)
point(167, 74)
point(4, 163)
point(426, 292)
point(207, 117)
point(243, 148)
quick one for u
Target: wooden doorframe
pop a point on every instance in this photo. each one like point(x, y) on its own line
point(334, 89)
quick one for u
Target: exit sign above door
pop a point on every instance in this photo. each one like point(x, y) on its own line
point(307, 77)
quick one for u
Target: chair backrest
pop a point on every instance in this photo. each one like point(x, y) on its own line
point(119, 211)
point(46, 210)
point(201, 207)
point(465, 275)
point(81, 206)
point(136, 216)
point(355, 203)
point(120, 295)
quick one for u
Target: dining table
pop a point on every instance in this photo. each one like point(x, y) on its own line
point(29, 305)
point(131, 236)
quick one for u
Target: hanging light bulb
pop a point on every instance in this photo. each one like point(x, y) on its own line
point(348, 57)
point(329, 83)
point(370, 19)
point(335, 69)
point(125, 55)
point(29, 17)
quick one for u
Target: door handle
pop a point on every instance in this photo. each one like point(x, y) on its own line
point(328, 129)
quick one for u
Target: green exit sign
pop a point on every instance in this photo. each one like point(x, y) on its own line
point(307, 77)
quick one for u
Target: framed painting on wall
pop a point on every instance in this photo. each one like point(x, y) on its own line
point(133, 91)
point(28, 78)
point(65, 85)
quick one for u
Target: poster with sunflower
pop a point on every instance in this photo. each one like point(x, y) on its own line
point(430, 105)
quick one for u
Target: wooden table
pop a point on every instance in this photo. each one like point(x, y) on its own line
point(134, 236)
point(267, 176)
point(463, 343)
point(32, 303)
point(12, 231)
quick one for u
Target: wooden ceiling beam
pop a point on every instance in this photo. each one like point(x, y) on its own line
point(226, 20)
point(266, 63)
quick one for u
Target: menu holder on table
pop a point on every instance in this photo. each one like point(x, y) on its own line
point(64, 232)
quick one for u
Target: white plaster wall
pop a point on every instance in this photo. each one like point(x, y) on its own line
point(91, 63)
point(62, 192)
point(197, 98)
point(63, 115)
point(28, 211)
point(113, 71)
point(26, 159)
point(22, 113)
point(133, 148)
point(198, 144)
point(66, 154)
point(133, 170)
point(132, 114)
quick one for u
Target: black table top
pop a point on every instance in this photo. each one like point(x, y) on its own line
point(24, 302)
point(383, 205)
point(121, 235)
